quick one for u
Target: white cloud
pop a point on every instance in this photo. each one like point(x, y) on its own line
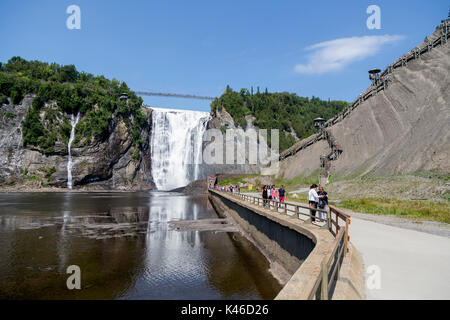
point(336, 54)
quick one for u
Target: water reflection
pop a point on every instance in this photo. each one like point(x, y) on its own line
point(125, 248)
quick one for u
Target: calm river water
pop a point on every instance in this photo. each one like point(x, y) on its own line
point(125, 248)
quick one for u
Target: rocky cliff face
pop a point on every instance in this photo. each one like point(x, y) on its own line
point(110, 161)
point(404, 128)
point(222, 120)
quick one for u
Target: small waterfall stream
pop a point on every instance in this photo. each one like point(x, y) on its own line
point(73, 122)
point(176, 145)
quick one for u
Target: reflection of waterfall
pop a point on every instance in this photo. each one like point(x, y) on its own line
point(73, 123)
point(176, 147)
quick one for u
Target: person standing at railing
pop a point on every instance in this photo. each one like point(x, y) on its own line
point(323, 202)
point(313, 198)
point(264, 195)
point(282, 193)
point(273, 193)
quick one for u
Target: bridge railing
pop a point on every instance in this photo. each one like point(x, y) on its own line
point(285, 207)
point(337, 223)
point(329, 269)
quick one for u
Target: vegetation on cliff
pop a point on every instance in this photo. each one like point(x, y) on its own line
point(284, 111)
point(62, 90)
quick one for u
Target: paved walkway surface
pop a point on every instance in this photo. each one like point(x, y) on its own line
point(412, 264)
point(412, 259)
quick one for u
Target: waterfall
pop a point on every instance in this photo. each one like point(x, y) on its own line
point(176, 147)
point(73, 123)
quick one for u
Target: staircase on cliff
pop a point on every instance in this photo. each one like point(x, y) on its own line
point(325, 159)
point(401, 124)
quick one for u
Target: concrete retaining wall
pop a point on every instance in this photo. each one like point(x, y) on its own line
point(282, 243)
point(298, 246)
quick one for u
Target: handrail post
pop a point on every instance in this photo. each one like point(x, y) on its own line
point(329, 218)
point(346, 236)
point(324, 288)
point(336, 223)
point(338, 265)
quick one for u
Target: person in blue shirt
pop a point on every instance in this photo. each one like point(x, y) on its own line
point(282, 193)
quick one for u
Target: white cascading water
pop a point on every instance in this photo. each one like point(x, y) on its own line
point(73, 123)
point(176, 146)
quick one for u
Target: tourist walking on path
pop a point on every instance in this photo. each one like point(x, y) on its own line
point(282, 193)
point(323, 202)
point(313, 198)
point(264, 195)
point(273, 193)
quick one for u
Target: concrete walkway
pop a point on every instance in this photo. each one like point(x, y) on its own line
point(410, 264)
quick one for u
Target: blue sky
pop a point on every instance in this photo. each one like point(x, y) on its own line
point(198, 47)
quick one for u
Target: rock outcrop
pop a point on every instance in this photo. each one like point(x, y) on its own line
point(196, 187)
point(109, 161)
point(222, 120)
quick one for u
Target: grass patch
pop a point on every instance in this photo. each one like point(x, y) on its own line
point(234, 180)
point(298, 181)
point(419, 209)
point(10, 115)
point(83, 164)
point(49, 172)
point(432, 174)
point(302, 198)
point(32, 178)
point(135, 155)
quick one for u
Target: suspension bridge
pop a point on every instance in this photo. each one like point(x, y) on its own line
point(173, 95)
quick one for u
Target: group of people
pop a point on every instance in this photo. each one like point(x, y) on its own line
point(230, 188)
point(317, 196)
point(317, 200)
point(272, 193)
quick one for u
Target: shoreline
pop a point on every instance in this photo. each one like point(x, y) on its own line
point(66, 190)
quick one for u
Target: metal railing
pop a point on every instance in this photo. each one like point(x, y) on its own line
point(329, 273)
point(330, 266)
point(275, 206)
